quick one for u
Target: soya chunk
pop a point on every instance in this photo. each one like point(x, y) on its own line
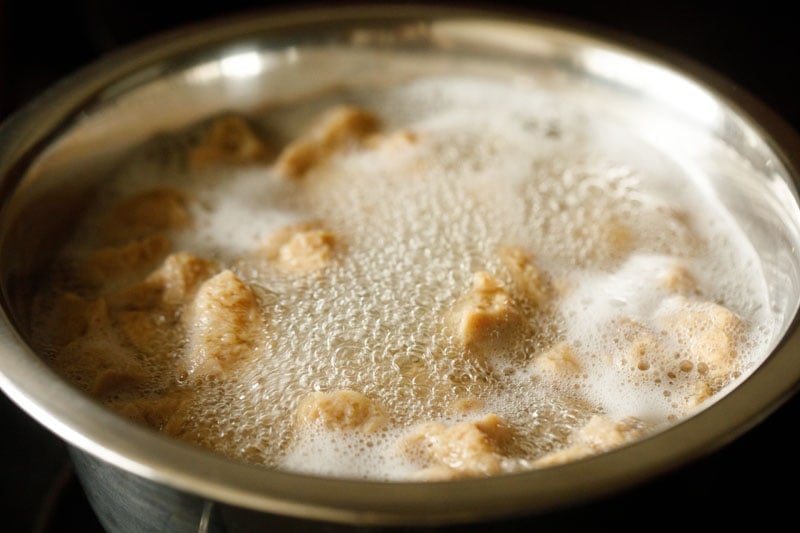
point(148, 332)
point(162, 413)
point(483, 314)
point(648, 351)
point(641, 348)
point(708, 334)
point(181, 275)
point(340, 410)
point(606, 239)
point(222, 322)
point(529, 281)
point(465, 449)
point(229, 140)
point(558, 360)
point(678, 279)
point(146, 213)
point(66, 318)
point(337, 129)
point(600, 434)
point(118, 264)
point(173, 283)
point(300, 249)
point(98, 359)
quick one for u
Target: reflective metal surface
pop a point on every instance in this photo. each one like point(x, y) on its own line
point(80, 127)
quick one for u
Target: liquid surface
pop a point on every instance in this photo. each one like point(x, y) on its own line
point(449, 278)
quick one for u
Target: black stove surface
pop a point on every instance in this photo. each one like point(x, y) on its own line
point(752, 478)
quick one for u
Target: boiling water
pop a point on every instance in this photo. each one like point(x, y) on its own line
point(491, 166)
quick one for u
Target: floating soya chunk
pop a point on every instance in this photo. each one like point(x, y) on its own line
point(167, 413)
point(336, 130)
point(483, 317)
point(223, 322)
point(228, 140)
point(116, 265)
point(171, 284)
point(97, 359)
point(679, 279)
point(599, 435)
point(66, 317)
point(146, 312)
point(300, 249)
point(340, 410)
point(709, 335)
point(532, 284)
point(465, 449)
point(146, 213)
point(558, 360)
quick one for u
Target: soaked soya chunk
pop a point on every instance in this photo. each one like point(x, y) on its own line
point(65, 315)
point(679, 280)
point(482, 318)
point(173, 283)
point(120, 265)
point(696, 347)
point(301, 248)
point(708, 334)
point(556, 362)
point(339, 410)
point(147, 313)
point(228, 140)
point(336, 130)
point(164, 413)
point(530, 282)
point(223, 323)
point(600, 434)
point(465, 449)
point(97, 359)
point(149, 212)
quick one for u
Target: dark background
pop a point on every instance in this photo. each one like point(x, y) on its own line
point(755, 45)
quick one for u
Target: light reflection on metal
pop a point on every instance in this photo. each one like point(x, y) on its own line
point(654, 80)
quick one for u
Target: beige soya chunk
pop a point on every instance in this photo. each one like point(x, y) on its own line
point(228, 140)
point(301, 248)
point(166, 412)
point(98, 358)
point(337, 129)
point(465, 449)
point(709, 334)
point(172, 284)
point(530, 282)
point(153, 211)
point(600, 434)
point(340, 410)
point(114, 265)
point(222, 322)
point(606, 239)
point(678, 279)
point(65, 317)
point(642, 349)
point(558, 360)
point(647, 350)
point(146, 312)
point(484, 315)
